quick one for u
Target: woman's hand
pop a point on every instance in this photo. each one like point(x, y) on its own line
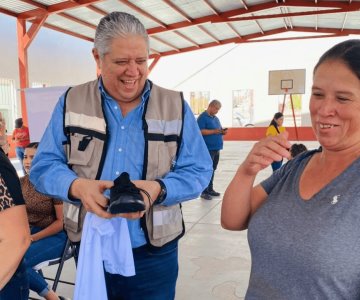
point(266, 151)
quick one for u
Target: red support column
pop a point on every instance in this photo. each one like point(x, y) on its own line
point(23, 66)
point(24, 40)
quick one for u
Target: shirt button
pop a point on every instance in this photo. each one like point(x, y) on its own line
point(115, 107)
point(117, 173)
point(120, 149)
point(122, 127)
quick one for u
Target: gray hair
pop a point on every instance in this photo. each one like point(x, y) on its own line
point(215, 103)
point(117, 24)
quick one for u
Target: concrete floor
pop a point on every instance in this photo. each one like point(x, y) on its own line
point(214, 264)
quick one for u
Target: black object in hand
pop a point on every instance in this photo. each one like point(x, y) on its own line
point(125, 197)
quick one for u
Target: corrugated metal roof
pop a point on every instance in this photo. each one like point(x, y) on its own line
point(177, 26)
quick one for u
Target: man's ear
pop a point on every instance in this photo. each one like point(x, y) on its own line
point(96, 55)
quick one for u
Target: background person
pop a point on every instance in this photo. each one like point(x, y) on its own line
point(296, 149)
point(22, 138)
point(275, 128)
point(122, 122)
point(212, 132)
point(14, 234)
point(304, 218)
point(48, 238)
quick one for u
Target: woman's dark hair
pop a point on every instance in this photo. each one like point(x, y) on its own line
point(278, 115)
point(348, 52)
point(18, 123)
point(33, 145)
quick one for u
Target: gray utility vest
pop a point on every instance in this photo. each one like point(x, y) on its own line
point(85, 126)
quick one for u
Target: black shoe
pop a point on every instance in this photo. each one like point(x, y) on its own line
point(125, 197)
point(206, 196)
point(213, 193)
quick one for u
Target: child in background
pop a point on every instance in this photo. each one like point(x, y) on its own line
point(296, 149)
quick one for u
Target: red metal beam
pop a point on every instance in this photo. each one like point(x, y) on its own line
point(56, 8)
point(320, 4)
point(153, 63)
point(155, 53)
point(7, 12)
point(254, 38)
point(213, 18)
point(286, 15)
point(33, 30)
point(23, 66)
point(225, 16)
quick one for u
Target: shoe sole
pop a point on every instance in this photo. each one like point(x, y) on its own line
point(118, 207)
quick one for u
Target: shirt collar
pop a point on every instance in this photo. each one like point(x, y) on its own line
point(144, 96)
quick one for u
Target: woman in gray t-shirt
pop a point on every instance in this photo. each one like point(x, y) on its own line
point(303, 222)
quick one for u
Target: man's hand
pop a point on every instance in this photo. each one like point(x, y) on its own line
point(90, 192)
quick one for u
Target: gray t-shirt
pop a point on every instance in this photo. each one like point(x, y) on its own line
point(306, 249)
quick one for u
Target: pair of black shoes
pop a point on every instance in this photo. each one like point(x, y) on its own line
point(125, 197)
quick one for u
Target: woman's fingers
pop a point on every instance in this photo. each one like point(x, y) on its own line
point(266, 151)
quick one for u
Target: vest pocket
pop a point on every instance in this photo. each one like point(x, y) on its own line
point(81, 150)
point(164, 224)
point(74, 216)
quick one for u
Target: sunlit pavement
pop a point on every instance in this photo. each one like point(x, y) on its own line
point(213, 263)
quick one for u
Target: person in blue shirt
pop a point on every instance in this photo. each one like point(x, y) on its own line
point(122, 122)
point(212, 132)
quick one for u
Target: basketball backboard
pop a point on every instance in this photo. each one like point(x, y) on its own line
point(287, 82)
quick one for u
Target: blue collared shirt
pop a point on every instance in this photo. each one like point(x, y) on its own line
point(125, 153)
point(212, 141)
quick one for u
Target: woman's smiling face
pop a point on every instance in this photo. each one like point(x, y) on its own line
point(335, 105)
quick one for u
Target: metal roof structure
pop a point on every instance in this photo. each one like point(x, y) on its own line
point(177, 26)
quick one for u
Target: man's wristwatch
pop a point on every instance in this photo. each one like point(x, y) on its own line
point(162, 195)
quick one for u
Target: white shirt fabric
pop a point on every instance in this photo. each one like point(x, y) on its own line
point(104, 243)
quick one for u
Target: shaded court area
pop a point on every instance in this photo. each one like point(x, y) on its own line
point(214, 264)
